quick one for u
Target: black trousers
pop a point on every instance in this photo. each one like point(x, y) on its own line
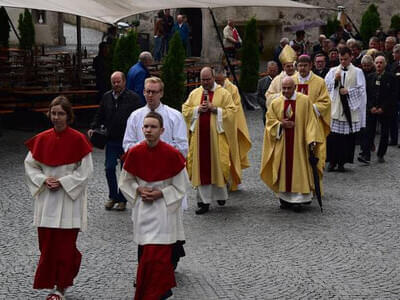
point(394, 128)
point(340, 148)
point(369, 137)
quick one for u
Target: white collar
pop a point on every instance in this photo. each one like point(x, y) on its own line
point(213, 88)
point(159, 107)
point(293, 96)
point(304, 79)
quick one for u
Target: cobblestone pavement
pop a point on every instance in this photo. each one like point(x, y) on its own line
point(249, 249)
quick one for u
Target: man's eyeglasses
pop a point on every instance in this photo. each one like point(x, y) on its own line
point(148, 92)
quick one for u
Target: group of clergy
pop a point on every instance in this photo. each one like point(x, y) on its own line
point(309, 116)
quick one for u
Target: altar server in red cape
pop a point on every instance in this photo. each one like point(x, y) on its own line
point(57, 169)
point(154, 180)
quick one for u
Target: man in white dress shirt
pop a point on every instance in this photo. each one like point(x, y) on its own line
point(175, 131)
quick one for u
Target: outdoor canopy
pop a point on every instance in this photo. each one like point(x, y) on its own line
point(110, 11)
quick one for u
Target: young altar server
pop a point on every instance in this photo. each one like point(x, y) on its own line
point(154, 179)
point(57, 168)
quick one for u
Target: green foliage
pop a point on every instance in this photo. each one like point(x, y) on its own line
point(250, 58)
point(126, 52)
point(331, 26)
point(395, 22)
point(4, 28)
point(370, 22)
point(172, 73)
point(26, 30)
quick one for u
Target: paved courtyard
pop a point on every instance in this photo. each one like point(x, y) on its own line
point(249, 249)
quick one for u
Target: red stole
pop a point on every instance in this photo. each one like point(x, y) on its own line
point(205, 143)
point(303, 88)
point(153, 164)
point(235, 34)
point(59, 148)
point(289, 113)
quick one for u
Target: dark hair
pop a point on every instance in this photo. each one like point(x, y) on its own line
point(155, 115)
point(304, 59)
point(344, 51)
point(66, 106)
point(319, 55)
point(333, 50)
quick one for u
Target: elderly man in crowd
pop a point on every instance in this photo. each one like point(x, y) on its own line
point(115, 108)
point(232, 40)
point(320, 68)
point(381, 105)
point(395, 70)
point(263, 85)
point(138, 73)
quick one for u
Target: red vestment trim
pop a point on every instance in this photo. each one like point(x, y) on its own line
point(153, 164)
point(289, 144)
point(59, 148)
point(155, 273)
point(205, 143)
point(302, 88)
point(60, 260)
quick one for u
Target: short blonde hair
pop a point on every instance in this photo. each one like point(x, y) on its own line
point(155, 79)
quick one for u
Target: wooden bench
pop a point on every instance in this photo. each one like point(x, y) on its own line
point(45, 109)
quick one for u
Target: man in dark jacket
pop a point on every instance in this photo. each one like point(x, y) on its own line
point(263, 85)
point(115, 108)
point(381, 102)
point(395, 70)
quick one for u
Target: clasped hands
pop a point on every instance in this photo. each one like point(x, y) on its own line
point(206, 106)
point(52, 184)
point(342, 91)
point(149, 194)
point(286, 123)
point(376, 111)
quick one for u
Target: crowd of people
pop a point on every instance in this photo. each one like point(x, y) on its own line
point(324, 101)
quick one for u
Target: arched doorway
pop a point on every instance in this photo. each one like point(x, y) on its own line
point(195, 21)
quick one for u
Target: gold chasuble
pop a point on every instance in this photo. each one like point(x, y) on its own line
point(243, 131)
point(317, 92)
point(284, 164)
point(224, 160)
point(275, 89)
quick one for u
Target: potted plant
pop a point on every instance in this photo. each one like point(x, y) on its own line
point(370, 22)
point(126, 52)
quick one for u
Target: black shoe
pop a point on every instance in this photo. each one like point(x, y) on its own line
point(221, 202)
point(284, 204)
point(203, 209)
point(341, 168)
point(331, 167)
point(381, 159)
point(199, 204)
point(297, 207)
point(364, 159)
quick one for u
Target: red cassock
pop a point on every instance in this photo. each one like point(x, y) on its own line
point(155, 273)
point(59, 258)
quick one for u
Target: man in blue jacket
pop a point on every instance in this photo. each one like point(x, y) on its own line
point(138, 73)
point(183, 30)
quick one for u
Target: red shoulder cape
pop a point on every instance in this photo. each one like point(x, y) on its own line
point(153, 164)
point(59, 148)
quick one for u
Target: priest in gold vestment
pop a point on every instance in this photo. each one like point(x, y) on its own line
point(287, 58)
point(315, 88)
point(290, 131)
point(213, 157)
point(244, 142)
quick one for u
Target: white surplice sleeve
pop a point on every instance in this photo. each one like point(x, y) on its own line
point(130, 137)
point(127, 185)
point(177, 189)
point(179, 136)
point(75, 184)
point(35, 176)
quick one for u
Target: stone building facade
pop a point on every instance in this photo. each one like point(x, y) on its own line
point(272, 22)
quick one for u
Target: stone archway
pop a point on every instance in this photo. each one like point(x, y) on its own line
point(195, 21)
